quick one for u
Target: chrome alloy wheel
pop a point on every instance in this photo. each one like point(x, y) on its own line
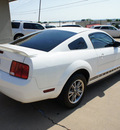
point(76, 91)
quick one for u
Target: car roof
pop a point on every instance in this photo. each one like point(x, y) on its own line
point(73, 29)
point(71, 25)
point(23, 22)
point(70, 29)
point(102, 25)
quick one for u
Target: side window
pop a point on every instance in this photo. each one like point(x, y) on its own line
point(105, 27)
point(112, 28)
point(37, 26)
point(97, 27)
point(78, 44)
point(101, 40)
point(15, 24)
point(27, 26)
point(32, 26)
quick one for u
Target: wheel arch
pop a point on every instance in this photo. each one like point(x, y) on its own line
point(18, 34)
point(85, 70)
point(82, 71)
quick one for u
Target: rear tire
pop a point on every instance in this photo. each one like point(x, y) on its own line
point(18, 36)
point(73, 91)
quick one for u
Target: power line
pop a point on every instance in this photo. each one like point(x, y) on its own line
point(20, 13)
point(23, 4)
point(101, 1)
point(59, 5)
point(62, 6)
point(65, 4)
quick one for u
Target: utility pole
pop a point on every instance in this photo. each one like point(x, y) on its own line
point(39, 11)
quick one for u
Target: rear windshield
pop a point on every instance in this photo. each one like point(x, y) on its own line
point(45, 40)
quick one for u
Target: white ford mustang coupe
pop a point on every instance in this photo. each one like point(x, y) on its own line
point(57, 63)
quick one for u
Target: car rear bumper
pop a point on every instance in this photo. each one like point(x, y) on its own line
point(24, 91)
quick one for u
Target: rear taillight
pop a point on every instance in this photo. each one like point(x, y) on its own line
point(20, 70)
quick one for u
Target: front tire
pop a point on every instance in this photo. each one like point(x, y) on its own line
point(73, 91)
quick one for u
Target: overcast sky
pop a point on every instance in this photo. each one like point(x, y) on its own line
point(57, 10)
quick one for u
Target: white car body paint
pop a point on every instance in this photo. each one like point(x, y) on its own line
point(52, 69)
point(23, 31)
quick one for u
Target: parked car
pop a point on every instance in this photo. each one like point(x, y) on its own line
point(71, 25)
point(22, 28)
point(57, 63)
point(113, 31)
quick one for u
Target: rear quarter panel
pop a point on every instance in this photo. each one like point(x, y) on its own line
point(54, 69)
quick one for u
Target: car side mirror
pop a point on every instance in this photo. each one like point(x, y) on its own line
point(116, 44)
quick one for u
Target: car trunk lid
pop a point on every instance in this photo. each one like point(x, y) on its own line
point(10, 53)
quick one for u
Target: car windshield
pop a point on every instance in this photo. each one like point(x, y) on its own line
point(45, 40)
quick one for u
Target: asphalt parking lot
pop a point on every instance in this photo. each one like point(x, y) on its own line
point(99, 110)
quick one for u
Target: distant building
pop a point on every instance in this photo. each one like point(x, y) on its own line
point(5, 22)
point(91, 23)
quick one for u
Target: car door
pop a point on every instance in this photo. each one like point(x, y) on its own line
point(111, 30)
point(103, 45)
point(115, 32)
point(31, 27)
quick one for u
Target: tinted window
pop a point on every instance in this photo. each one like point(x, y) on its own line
point(105, 27)
point(15, 24)
point(71, 26)
point(32, 26)
point(101, 40)
point(112, 28)
point(97, 27)
point(108, 27)
point(45, 40)
point(78, 44)
point(49, 26)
